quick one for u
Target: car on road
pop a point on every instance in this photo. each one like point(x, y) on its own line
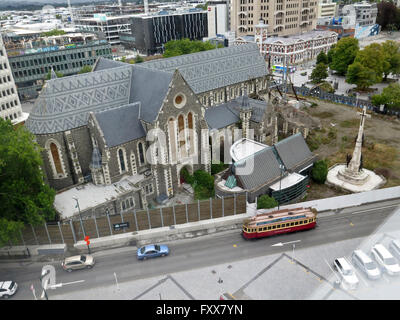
point(363, 262)
point(394, 247)
point(78, 262)
point(152, 251)
point(7, 289)
point(385, 260)
point(346, 272)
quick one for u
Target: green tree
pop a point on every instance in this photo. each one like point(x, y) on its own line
point(203, 185)
point(54, 32)
point(320, 171)
point(319, 73)
point(322, 58)
point(24, 196)
point(391, 58)
point(390, 97)
point(360, 75)
point(58, 74)
point(185, 46)
point(85, 69)
point(330, 53)
point(266, 202)
point(344, 54)
point(138, 59)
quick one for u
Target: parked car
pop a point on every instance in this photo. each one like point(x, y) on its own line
point(385, 260)
point(394, 247)
point(7, 289)
point(78, 262)
point(151, 251)
point(346, 272)
point(369, 267)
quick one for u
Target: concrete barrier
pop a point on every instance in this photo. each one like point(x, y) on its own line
point(156, 235)
point(26, 251)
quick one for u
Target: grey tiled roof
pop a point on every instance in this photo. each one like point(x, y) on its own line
point(120, 125)
point(220, 116)
point(212, 69)
point(294, 152)
point(65, 103)
point(150, 87)
point(103, 64)
point(265, 169)
point(228, 113)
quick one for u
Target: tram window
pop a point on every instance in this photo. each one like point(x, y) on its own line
point(301, 222)
point(278, 226)
point(292, 224)
point(265, 228)
point(269, 228)
point(273, 227)
point(296, 223)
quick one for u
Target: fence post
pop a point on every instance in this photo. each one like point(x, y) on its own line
point(223, 209)
point(62, 236)
point(198, 208)
point(95, 224)
point(34, 235)
point(109, 223)
point(234, 204)
point(122, 218)
point(173, 211)
point(162, 219)
point(22, 237)
point(134, 215)
point(47, 231)
point(186, 210)
point(83, 229)
point(148, 217)
point(211, 208)
point(73, 231)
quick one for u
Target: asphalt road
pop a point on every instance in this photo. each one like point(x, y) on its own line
point(196, 253)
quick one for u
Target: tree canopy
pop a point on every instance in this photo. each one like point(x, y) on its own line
point(266, 202)
point(343, 54)
point(319, 73)
point(322, 58)
point(388, 15)
point(320, 171)
point(54, 32)
point(390, 97)
point(85, 69)
point(185, 46)
point(391, 58)
point(24, 196)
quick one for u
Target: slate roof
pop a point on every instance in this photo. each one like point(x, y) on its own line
point(212, 69)
point(150, 87)
point(228, 113)
point(65, 103)
point(294, 152)
point(121, 125)
point(265, 169)
point(103, 64)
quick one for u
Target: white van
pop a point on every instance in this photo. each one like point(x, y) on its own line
point(346, 271)
point(385, 260)
point(369, 267)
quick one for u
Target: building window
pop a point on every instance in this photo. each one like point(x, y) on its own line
point(127, 204)
point(56, 158)
point(121, 158)
point(141, 153)
point(148, 189)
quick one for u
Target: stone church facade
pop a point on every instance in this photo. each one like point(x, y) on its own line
point(98, 127)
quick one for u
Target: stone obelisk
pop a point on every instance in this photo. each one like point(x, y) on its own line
point(352, 172)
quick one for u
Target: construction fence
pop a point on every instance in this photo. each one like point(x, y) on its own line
point(70, 232)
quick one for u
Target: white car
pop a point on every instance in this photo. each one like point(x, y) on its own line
point(346, 271)
point(7, 289)
point(369, 267)
point(385, 260)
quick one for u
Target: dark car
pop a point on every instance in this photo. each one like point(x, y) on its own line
point(152, 251)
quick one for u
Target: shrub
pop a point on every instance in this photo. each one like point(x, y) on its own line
point(320, 171)
point(266, 202)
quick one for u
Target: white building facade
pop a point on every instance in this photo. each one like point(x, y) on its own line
point(10, 106)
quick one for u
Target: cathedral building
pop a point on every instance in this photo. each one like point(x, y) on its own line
point(135, 127)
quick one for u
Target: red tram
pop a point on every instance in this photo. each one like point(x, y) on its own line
point(279, 221)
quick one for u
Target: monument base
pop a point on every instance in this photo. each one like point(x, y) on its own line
point(366, 180)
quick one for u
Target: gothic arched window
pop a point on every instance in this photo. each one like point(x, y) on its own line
point(121, 159)
point(56, 158)
point(141, 152)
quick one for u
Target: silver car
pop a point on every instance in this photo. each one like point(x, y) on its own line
point(394, 247)
point(363, 262)
point(386, 261)
point(350, 280)
point(78, 262)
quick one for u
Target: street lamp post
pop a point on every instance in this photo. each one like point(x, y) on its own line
point(80, 215)
point(281, 167)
